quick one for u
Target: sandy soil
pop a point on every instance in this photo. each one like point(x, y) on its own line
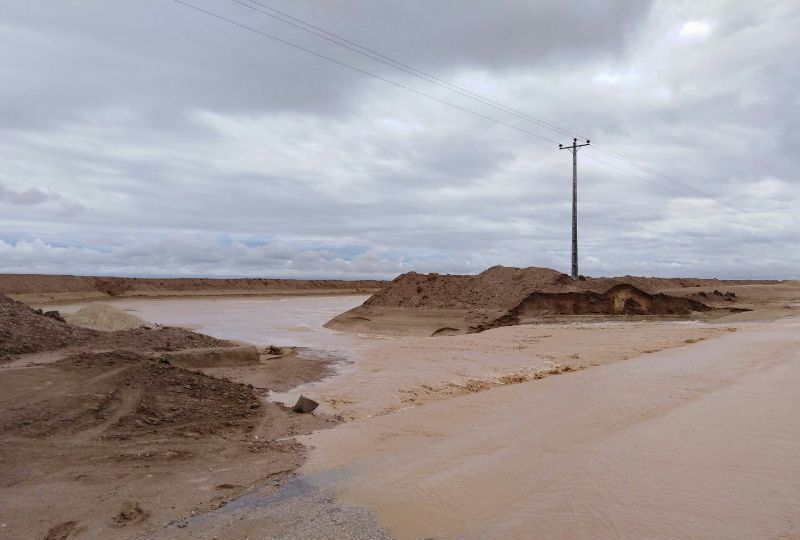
point(104, 317)
point(115, 445)
point(100, 438)
point(37, 288)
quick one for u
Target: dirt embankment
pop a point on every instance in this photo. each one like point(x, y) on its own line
point(103, 437)
point(619, 300)
point(38, 288)
point(436, 304)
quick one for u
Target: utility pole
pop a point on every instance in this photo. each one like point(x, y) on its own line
point(574, 150)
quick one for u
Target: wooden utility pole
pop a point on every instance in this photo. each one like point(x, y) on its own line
point(574, 149)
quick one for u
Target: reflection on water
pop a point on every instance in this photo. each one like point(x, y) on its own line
point(285, 321)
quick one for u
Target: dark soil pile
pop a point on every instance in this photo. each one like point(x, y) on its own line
point(124, 395)
point(25, 330)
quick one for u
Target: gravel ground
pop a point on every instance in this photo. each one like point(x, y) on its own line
point(299, 510)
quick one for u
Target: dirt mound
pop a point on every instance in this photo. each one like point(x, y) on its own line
point(125, 395)
point(503, 295)
point(25, 330)
point(498, 287)
point(104, 317)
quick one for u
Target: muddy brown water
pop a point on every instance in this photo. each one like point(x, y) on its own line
point(696, 442)
point(284, 321)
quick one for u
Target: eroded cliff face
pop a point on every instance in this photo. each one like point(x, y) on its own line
point(620, 299)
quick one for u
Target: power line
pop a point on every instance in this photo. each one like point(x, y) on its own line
point(420, 74)
point(440, 82)
point(397, 64)
point(652, 171)
point(360, 70)
point(407, 69)
point(643, 178)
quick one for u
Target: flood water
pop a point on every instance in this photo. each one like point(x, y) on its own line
point(695, 442)
point(284, 321)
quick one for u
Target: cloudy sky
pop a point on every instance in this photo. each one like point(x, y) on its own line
point(148, 138)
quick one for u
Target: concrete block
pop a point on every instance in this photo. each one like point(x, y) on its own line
point(214, 357)
point(305, 405)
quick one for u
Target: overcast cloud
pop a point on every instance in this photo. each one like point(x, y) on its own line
point(144, 138)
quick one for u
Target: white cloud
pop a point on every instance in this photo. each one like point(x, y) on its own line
point(190, 254)
point(696, 30)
